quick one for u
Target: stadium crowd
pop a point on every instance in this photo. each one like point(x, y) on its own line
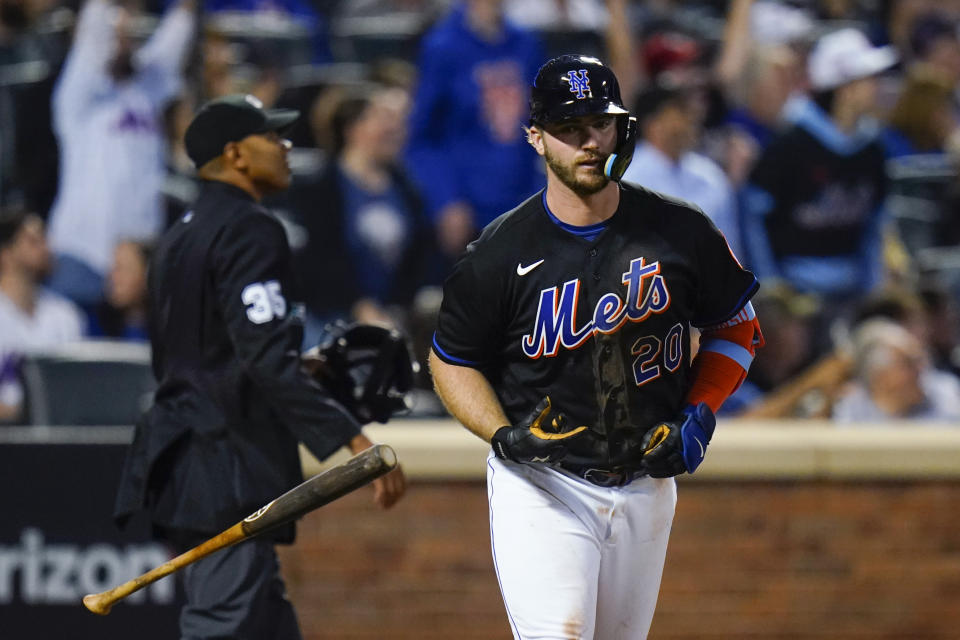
point(820, 136)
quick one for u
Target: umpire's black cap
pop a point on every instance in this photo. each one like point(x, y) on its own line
point(231, 119)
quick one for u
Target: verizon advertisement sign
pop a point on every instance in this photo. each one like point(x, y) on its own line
point(35, 573)
point(58, 543)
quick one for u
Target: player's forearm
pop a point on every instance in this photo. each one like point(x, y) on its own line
point(469, 397)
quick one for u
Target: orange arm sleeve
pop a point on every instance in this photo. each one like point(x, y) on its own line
point(723, 360)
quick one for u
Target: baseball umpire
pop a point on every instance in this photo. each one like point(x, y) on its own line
point(233, 401)
point(564, 339)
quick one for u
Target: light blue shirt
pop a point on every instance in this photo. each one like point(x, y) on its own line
point(696, 179)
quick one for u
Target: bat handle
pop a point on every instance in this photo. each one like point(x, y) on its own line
point(101, 603)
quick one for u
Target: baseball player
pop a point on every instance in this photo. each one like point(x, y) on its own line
point(564, 340)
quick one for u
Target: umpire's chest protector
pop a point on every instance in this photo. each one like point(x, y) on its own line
point(600, 325)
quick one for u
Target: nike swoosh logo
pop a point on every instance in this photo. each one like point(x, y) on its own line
point(522, 271)
point(703, 451)
point(539, 459)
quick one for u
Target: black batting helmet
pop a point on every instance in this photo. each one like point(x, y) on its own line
point(571, 86)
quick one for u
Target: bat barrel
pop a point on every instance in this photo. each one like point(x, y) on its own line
point(323, 488)
point(387, 455)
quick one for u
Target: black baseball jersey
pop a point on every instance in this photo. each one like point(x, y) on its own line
point(221, 438)
point(601, 326)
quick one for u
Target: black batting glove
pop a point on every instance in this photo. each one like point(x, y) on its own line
point(679, 446)
point(541, 437)
point(663, 451)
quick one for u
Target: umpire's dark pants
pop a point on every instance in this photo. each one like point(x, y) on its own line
point(237, 594)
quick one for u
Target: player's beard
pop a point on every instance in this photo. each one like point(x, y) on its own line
point(588, 185)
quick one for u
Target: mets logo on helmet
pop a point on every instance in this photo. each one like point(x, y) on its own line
point(579, 83)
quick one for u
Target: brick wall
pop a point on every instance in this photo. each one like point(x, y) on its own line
point(778, 560)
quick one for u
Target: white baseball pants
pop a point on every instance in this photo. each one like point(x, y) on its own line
point(574, 560)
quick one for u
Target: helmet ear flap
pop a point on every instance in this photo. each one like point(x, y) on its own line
point(618, 161)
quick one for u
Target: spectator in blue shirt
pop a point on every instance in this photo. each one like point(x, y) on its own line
point(368, 240)
point(467, 150)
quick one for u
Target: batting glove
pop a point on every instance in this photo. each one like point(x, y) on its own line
point(672, 448)
point(541, 437)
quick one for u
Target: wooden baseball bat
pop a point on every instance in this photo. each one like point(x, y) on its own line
point(319, 490)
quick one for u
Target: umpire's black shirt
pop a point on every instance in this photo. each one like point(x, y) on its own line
point(221, 438)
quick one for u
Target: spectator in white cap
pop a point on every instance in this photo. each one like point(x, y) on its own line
point(813, 205)
point(845, 57)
